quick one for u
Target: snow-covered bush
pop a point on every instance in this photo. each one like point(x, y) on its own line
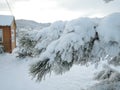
point(106, 86)
point(108, 74)
point(81, 41)
point(26, 45)
point(47, 35)
point(115, 60)
point(109, 80)
point(73, 46)
point(109, 30)
point(32, 43)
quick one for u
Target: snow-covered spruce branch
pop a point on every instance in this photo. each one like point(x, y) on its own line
point(115, 60)
point(34, 43)
point(109, 79)
point(60, 64)
point(108, 74)
point(40, 69)
point(47, 35)
point(26, 46)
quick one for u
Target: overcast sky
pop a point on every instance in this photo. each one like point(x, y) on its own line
point(53, 10)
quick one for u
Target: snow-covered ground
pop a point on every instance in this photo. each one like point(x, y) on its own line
point(14, 75)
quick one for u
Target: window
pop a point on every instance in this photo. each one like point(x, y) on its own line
point(13, 35)
point(1, 35)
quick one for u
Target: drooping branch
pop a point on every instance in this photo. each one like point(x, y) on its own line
point(40, 69)
point(87, 48)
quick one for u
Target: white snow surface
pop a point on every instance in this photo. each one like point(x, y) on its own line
point(109, 27)
point(14, 75)
point(6, 20)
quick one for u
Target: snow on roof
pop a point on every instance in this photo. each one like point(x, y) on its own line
point(6, 20)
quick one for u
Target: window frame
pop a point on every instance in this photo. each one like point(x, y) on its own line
point(12, 35)
point(1, 30)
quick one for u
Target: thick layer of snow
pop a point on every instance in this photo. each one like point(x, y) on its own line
point(79, 31)
point(45, 36)
point(72, 38)
point(109, 27)
point(6, 20)
point(14, 75)
point(76, 33)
